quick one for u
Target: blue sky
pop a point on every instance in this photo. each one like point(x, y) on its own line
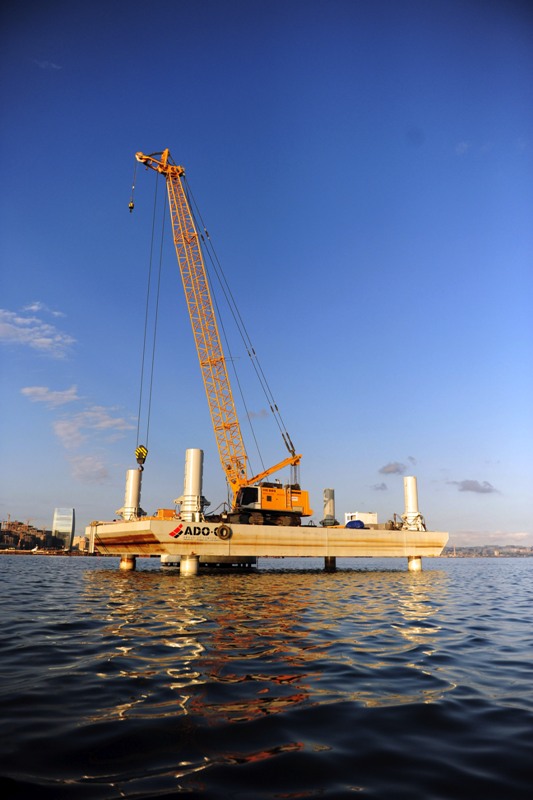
point(365, 172)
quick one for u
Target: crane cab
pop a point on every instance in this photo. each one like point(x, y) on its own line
point(272, 504)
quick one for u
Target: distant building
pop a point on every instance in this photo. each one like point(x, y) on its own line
point(81, 543)
point(63, 526)
point(15, 535)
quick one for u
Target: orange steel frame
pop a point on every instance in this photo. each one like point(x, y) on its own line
point(224, 418)
point(204, 325)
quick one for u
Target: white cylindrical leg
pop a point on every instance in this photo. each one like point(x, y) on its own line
point(191, 499)
point(127, 563)
point(194, 463)
point(414, 563)
point(189, 565)
point(132, 495)
point(412, 518)
point(410, 495)
point(329, 507)
point(92, 535)
point(169, 560)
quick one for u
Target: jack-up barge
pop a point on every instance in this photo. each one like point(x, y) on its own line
point(264, 517)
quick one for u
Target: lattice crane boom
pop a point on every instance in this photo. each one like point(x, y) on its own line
point(252, 501)
point(213, 365)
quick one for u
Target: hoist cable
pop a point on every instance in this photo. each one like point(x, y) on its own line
point(240, 322)
point(131, 204)
point(239, 385)
point(230, 358)
point(241, 327)
point(248, 346)
point(156, 316)
point(220, 321)
point(147, 309)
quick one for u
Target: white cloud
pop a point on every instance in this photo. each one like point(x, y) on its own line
point(42, 394)
point(31, 331)
point(99, 418)
point(475, 486)
point(94, 422)
point(462, 148)
point(393, 468)
point(261, 414)
point(89, 469)
point(37, 306)
point(69, 432)
point(72, 431)
point(48, 65)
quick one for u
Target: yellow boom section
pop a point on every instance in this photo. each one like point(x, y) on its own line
point(204, 325)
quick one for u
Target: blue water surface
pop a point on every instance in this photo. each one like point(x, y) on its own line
point(283, 682)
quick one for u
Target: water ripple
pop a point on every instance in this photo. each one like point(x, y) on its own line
point(275, 684)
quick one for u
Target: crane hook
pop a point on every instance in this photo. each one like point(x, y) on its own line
point(131, 204)
point(140, 454)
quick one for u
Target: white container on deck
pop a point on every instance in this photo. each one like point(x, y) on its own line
point(366, 517)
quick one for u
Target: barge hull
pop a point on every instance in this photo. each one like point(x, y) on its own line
point(152, 537)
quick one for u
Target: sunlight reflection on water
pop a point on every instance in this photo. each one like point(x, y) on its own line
point(150, 683)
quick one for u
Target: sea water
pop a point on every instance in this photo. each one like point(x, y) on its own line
point(282, 682)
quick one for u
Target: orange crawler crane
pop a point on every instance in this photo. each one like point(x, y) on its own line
point(254, 501)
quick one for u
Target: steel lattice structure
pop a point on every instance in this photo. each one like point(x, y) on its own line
point(204, 324)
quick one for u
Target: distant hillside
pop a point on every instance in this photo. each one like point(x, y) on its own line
point(488, 550)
